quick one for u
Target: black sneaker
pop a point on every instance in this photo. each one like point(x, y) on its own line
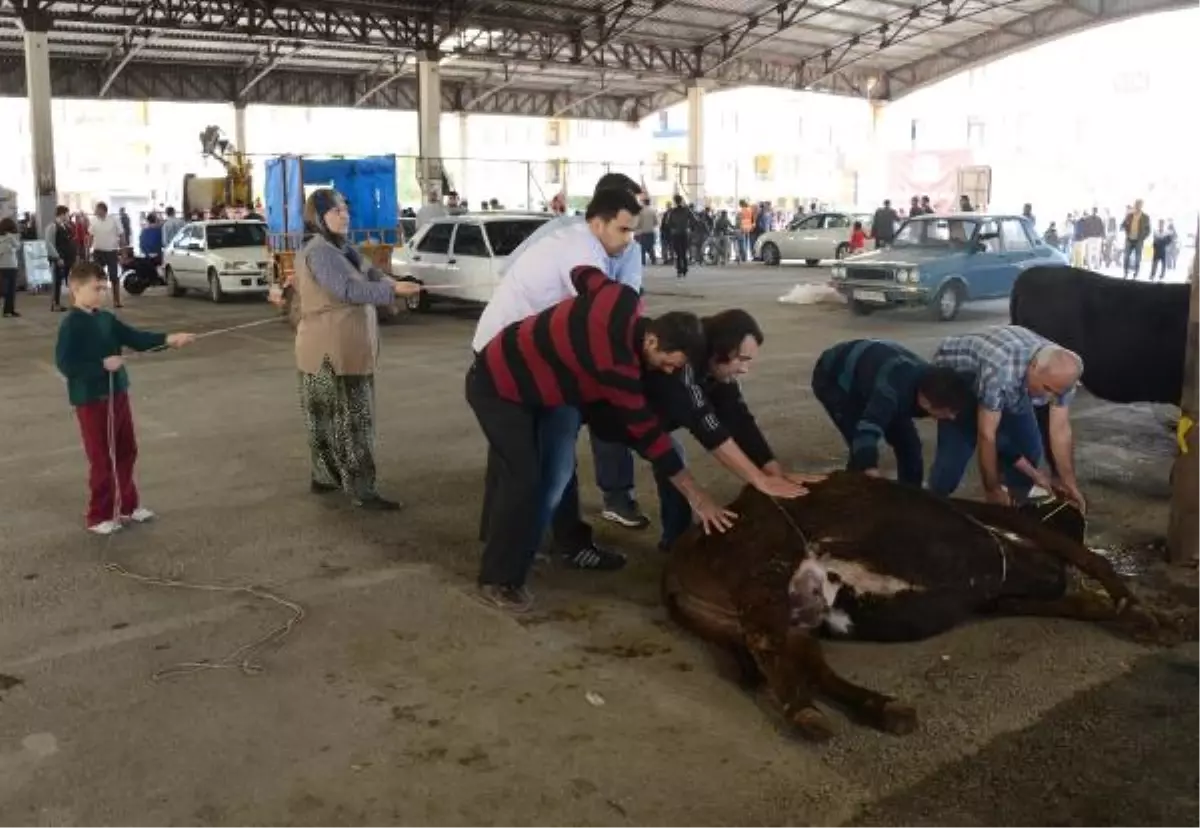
point(322, 488)
point(516, 600)
point(375, 503)
point(624, 511)
point(595, 557)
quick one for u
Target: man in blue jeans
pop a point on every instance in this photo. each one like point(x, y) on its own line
point(707, 400)
point(1013, 370)
point(613, 462)
point(536, 277)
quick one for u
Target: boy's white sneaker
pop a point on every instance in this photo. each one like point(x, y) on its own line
point(139, 515)
point(105, 527)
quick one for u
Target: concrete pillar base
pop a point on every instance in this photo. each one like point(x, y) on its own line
point(41, 131)
point(429, 126)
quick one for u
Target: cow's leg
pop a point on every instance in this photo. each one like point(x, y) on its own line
point(877, 710)
point(790, 687)
point(1051, 543)
point(1138, 621)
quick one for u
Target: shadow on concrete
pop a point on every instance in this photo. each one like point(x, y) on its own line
point(1122, 753)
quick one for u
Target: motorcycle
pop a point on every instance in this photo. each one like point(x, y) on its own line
point(141, 272)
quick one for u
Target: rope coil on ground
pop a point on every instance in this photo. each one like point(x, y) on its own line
point(244, 658)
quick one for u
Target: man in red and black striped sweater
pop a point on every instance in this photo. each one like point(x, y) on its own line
point(587, 350)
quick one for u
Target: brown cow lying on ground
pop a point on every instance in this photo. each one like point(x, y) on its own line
point(872, 560)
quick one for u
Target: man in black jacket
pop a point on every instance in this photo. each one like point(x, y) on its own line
point(707, 401)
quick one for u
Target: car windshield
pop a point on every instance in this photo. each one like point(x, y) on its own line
point(935, 232)
point(242, 234)
point(506, 236)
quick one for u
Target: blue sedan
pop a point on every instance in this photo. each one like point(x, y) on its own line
point(943, 261)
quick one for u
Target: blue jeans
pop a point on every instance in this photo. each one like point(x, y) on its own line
point(1017, 436)
point(673, 509)
point(614, 467)
point(557, 433)
point(1133, 257)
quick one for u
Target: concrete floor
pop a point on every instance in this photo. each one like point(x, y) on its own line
point(399, 700)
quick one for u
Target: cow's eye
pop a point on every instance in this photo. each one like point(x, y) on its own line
point(833, 577)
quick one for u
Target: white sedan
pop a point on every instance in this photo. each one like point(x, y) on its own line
point(813, 238)
point(461, 258)
point(219, 258)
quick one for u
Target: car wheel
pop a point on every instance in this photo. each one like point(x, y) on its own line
point(948, 302)
point(861, 308)
point(214, 287)
point(134, 284)
point(173, 288)
point(770, 255)
point(843, 250)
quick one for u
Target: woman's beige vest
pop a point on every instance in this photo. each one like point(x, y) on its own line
point(328, 328)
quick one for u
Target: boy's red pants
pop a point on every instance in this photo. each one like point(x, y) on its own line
point(108, 492)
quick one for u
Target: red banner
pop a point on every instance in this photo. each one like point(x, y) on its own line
point(933, 174)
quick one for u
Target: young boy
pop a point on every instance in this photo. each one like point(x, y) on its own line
point(88, 354)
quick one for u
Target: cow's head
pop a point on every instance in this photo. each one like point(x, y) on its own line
point(812, 592)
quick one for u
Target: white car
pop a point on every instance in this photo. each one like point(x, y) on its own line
point(813, 238)
point(218, 257)
point(461, 257)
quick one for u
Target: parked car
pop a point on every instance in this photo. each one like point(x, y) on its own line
point(219, 258)
point(943, 261)
point(813, 238)
point(465, 253)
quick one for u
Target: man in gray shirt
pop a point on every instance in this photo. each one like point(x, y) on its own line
point(647, 230)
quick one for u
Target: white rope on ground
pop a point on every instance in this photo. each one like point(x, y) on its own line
point(244, 658)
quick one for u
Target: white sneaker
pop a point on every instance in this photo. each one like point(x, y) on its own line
point(105, 527)
point(139, 515)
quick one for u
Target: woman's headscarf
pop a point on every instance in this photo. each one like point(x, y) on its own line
point(319, 203)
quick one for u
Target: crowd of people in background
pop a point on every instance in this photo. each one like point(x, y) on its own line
point(1095, 239)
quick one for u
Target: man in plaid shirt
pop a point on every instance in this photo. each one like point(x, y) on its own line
point(1013, 370)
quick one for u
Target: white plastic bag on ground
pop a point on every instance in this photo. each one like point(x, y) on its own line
point(812, 295)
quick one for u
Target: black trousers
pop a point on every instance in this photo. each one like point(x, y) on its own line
point(569, 532)
point(8, 288)
point(108, 260)
point(514, 471)
point(679, 247)
point(61, 269)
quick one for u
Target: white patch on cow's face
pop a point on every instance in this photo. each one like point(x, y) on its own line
point(814, 588)
point(812, 592)
point(863, 580)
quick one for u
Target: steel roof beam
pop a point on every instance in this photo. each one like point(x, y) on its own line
point(267, 62)
point(401, 69)
point(132, 42)
point(1063, 18)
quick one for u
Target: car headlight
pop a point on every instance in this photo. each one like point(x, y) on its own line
point(839, 272)
point(908, 275)
point(242, 265)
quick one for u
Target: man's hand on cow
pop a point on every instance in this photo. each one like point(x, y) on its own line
point(713, 517)
point(1071, 492)
point(779, 486)
point(773, 469)
point(999, 496)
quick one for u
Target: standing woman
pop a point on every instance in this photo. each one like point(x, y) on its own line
point(10, 248)
point(337, 342)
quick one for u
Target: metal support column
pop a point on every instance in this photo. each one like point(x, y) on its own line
point(694, 173)
point(1183, 529)
point(41, 130)
point(429, 125)
point(239, 126)
point(464, 154)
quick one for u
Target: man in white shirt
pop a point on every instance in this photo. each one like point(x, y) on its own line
point(172, 226)
point(536, 279)
point(105, 238)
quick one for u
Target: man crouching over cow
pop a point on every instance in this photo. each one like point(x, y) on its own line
point(1013, 370)
point(872, 390)
point(707, 400)
point(590, 349)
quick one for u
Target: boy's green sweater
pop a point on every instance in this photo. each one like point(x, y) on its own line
point(85, 340)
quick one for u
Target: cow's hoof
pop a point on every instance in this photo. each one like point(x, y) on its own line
point(813, 725)
point(899, 719)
